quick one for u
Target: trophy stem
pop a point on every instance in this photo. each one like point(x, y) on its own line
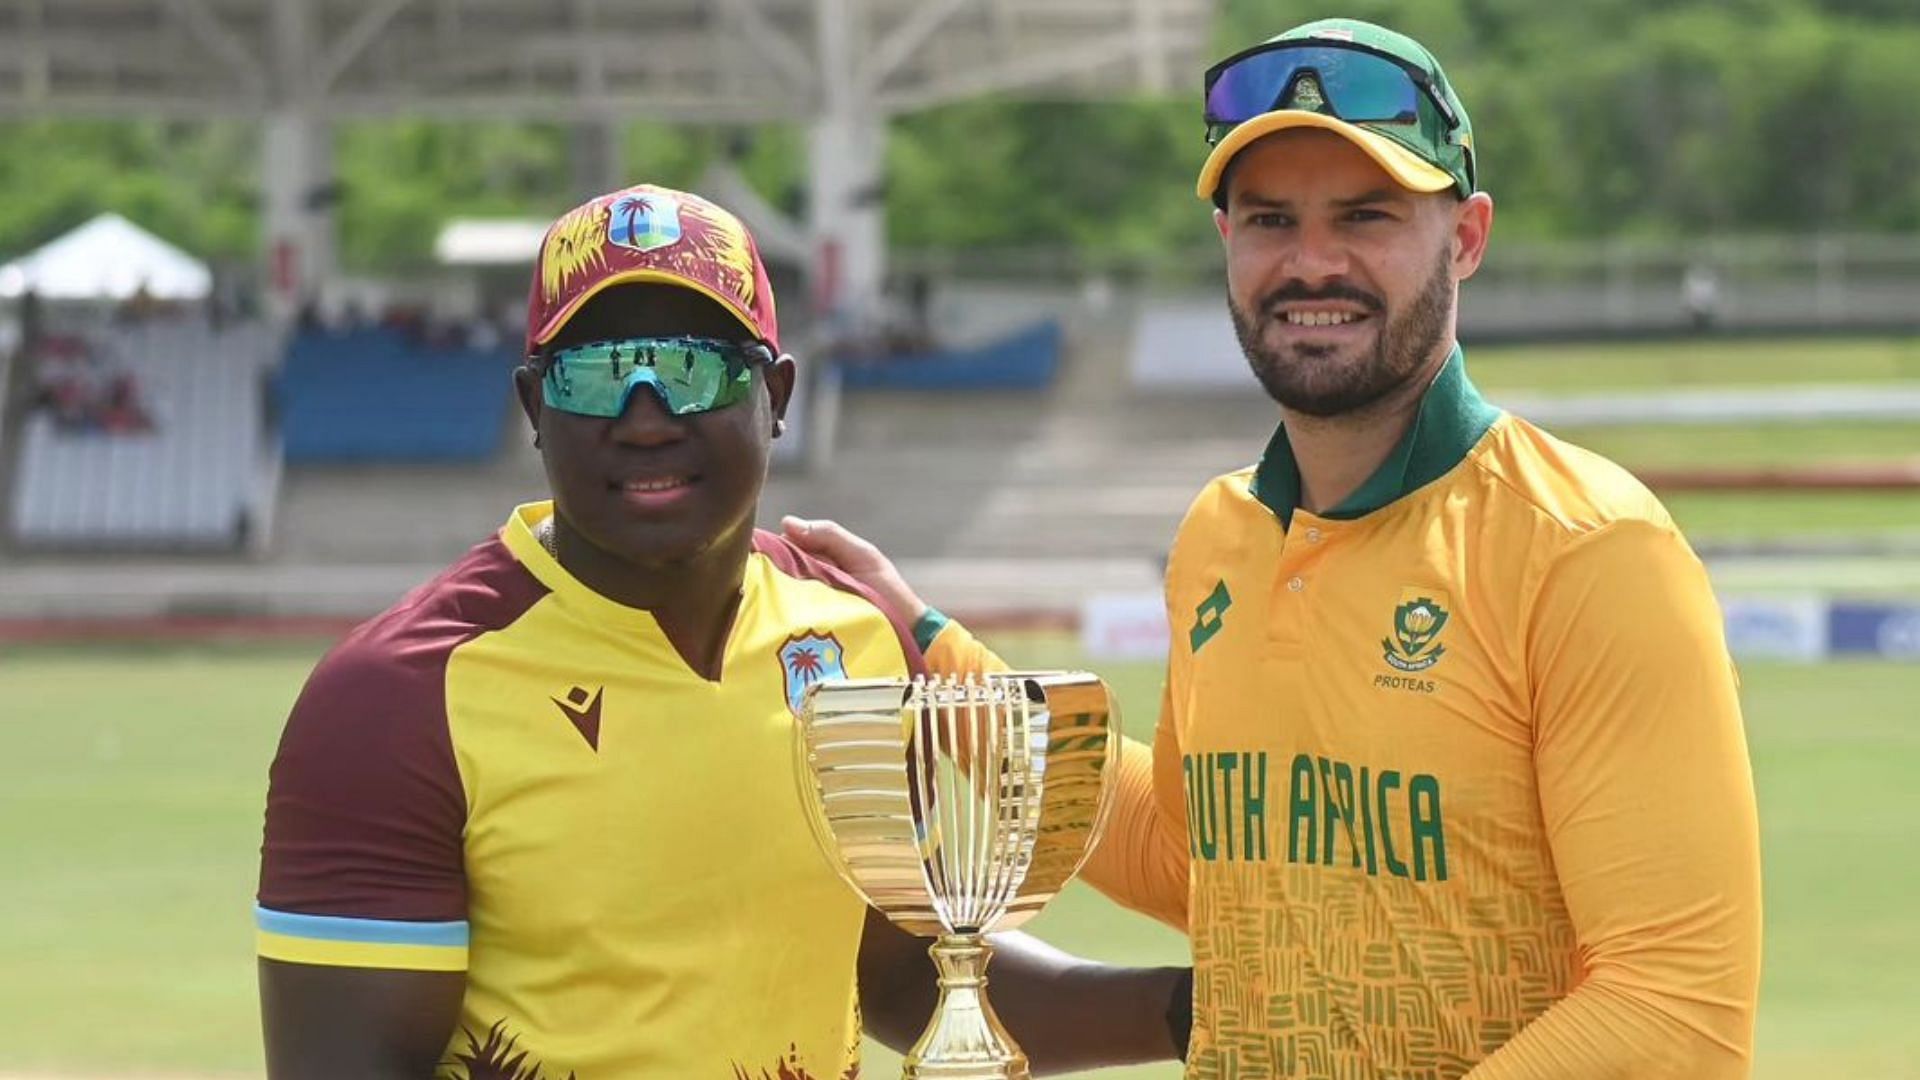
point(965, 1040)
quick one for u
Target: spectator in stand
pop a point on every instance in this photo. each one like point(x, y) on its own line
point(121, 413)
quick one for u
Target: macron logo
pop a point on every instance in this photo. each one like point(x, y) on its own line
point(584, 715)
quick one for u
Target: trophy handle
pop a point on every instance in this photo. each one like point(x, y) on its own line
point(965, 1040)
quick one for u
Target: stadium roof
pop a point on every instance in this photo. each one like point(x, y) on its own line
point(839, 67)
point(676, 60)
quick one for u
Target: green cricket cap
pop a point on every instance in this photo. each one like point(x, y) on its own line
point(1429, 155)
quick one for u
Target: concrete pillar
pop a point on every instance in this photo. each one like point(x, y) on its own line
point(847, 168)
point(595, 154)
point(298, 223)
point(297, 227)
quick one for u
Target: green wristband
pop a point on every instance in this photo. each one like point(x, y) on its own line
point(928, 627)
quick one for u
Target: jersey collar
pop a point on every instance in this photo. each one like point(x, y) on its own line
point(1452, 418)
point(520, 534)
point(521, 538)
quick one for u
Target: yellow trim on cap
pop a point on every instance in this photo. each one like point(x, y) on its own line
point(643, 274)
point(1407, 168)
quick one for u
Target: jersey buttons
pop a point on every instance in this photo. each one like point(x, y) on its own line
point(1313, 535)
point(1295, 584)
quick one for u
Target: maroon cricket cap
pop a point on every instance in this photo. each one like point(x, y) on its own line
point(647, 233)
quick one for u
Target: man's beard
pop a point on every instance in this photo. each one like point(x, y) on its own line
point(1309, 379)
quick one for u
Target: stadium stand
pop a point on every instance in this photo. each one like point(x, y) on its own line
point(173, 454)
point(379, 395)
point(1025, 360)
point(1087, 468)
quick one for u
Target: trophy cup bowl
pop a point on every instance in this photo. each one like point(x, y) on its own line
point(959, 807)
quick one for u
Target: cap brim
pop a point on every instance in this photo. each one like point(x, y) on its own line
point(1408, 169)
point(558, 319)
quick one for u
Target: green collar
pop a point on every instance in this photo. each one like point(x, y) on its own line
point(1452, 418)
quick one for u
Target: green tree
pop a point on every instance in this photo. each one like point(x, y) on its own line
point(1602, 118)
point(194, 184)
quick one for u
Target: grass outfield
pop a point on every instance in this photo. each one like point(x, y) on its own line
point(1760, 515)
point(1735, 515)
point(131, 785)
point(1747, 515)
point(1570, 368)
point(1724, 445)
point(1577, 369)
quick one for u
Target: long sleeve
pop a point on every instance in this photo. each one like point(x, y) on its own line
point(1647, 796)
point(1141, 860)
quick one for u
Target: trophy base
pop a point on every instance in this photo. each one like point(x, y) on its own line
point(965, 1040)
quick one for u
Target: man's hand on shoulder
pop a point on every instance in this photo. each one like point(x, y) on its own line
point(831, 542)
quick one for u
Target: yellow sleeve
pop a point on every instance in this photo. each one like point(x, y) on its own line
point(951, 649)
point(1647, 796)
point(1141, 860)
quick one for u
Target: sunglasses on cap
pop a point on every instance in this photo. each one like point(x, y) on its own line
point(688, 374)
point(1357, 84)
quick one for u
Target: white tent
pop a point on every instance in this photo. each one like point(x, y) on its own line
point(489, 241)
point(108, 258)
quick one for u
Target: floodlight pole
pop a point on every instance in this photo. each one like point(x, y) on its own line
point(595, 144)
point(297, 226)
point(846, 161)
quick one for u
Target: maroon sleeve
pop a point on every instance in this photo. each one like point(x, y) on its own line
point(793, 562)
point(365, 809)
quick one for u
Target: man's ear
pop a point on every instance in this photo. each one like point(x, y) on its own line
point(779, 377)
point(1472, 227)
point(526, 386)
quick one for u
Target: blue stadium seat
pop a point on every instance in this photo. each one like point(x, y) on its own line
point(371, 395)
point(1025, 360)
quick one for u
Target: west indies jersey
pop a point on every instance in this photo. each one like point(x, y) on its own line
point(510, 775)
point(1449, 781)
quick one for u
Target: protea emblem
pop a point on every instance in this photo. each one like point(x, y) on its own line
point(1416, 630)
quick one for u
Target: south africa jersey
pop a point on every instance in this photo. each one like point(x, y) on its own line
point(510, 775)
point(1449, 780)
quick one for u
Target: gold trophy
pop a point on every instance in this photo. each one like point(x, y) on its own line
point(959, 807)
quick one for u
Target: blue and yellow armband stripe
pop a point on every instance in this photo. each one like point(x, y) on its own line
point(339, 941)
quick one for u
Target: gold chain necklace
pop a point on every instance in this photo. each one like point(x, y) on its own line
point(544, 534)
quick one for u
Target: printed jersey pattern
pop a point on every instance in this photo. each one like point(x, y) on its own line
point(1390, 727)
point(512, 776)
point(1448, 780)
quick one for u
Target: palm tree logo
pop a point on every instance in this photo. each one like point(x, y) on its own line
point(806, 659)
point(498, 1058)
point(645, 221)
point(805, 663)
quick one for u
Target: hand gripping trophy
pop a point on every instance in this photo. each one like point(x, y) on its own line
point(959, 807)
